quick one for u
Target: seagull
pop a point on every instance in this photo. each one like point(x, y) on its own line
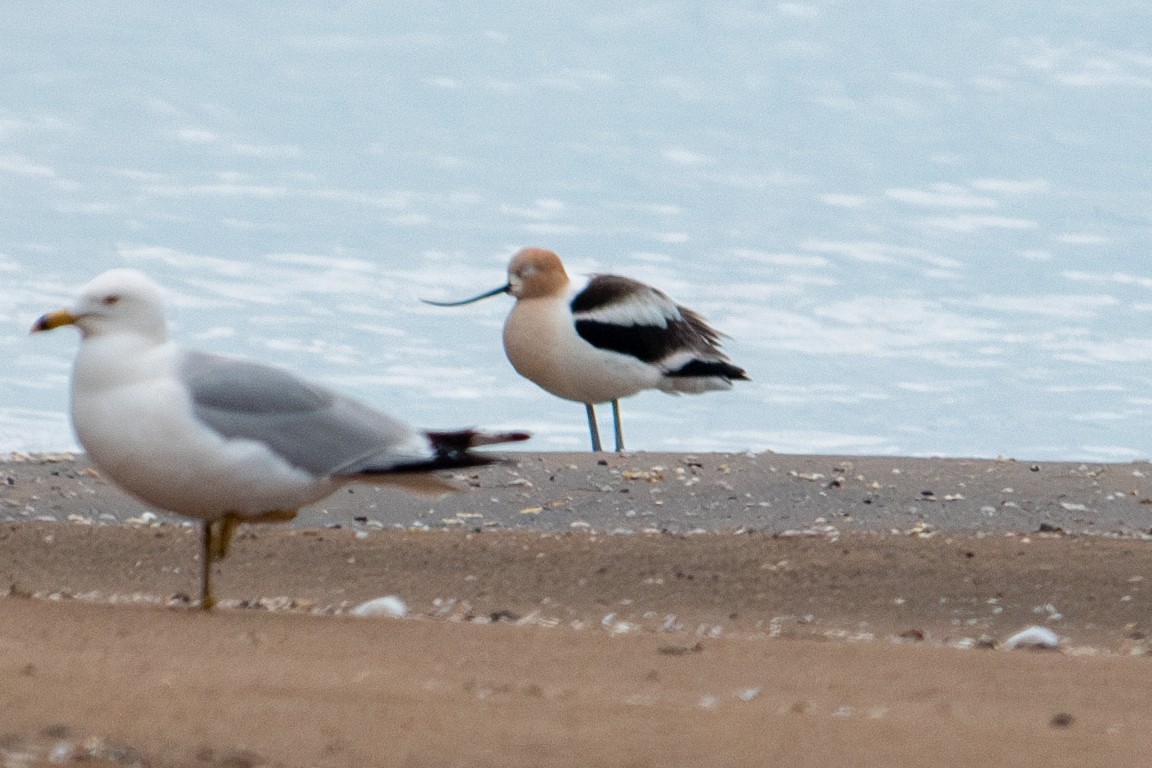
point(224, 440)
point(614, 338)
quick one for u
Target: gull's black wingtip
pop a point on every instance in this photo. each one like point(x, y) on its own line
point(461, 441)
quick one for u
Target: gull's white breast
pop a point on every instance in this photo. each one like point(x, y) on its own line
point(134, 418)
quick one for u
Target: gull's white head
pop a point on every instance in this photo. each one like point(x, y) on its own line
point(117, 301)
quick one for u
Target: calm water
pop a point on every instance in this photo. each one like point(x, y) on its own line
point(927, 230)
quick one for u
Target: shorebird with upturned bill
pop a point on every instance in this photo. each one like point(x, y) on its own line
point(613, 338)
point(224, 440)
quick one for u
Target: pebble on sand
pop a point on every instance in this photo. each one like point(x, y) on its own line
point(382, 606)
point(1033, 637)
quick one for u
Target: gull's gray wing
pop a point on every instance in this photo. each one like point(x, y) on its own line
point(308, 426)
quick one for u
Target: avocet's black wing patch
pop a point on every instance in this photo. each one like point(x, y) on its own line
point(622, 315)
point(706, 368)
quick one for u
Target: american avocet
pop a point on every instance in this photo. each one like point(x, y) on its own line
point(614, 338)
point(222, 440)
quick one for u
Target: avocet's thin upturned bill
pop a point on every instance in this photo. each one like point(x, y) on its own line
point(223, 440)
point(614, 338)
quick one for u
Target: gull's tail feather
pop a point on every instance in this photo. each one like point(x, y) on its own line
point(461, 441)
point(450, 450)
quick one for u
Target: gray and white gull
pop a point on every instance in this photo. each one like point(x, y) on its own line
point(224, 440)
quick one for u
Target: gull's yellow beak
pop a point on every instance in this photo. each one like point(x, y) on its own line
point(54, 320)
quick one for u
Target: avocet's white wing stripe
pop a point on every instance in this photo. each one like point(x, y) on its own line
point(615, 300)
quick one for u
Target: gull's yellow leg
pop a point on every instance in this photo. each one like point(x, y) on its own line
point(276, 516)
point(206, 599)
point(216, 537)
point(227, 525)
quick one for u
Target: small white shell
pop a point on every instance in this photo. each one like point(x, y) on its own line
point(1033, 637)
point(382, 606)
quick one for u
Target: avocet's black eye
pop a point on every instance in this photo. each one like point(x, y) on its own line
point(110, 299)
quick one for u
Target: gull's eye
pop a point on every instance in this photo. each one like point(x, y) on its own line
point(110, 300)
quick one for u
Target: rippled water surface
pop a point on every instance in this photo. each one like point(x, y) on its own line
point(925, 229)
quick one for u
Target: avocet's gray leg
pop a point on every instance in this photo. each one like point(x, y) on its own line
point(616, 421)
point(592, 428)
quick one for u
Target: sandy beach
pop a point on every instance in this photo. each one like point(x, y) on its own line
point(580, 610)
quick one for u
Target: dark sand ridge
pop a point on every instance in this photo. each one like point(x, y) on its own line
point(679, 493)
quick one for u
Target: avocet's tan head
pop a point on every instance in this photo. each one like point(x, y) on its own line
point(117, 301)
point(533, 273)
point(536, 273)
